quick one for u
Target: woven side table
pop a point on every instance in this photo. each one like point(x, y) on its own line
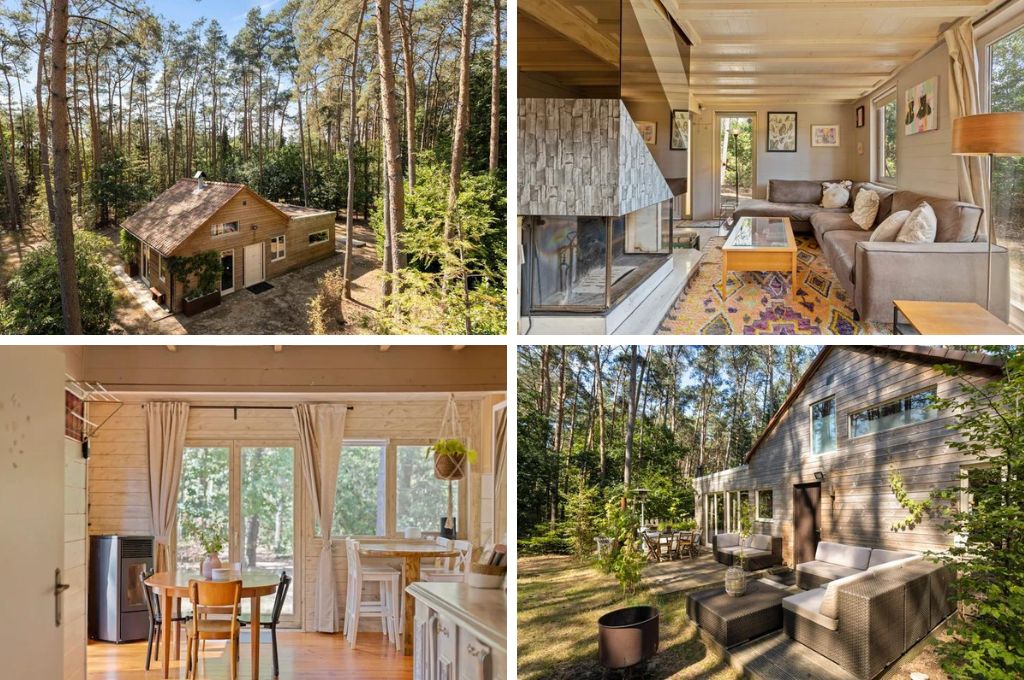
point(732, 620)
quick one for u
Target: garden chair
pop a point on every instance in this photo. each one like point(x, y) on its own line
point(653, 546)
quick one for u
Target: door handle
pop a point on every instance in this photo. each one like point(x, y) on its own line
point(58, 591)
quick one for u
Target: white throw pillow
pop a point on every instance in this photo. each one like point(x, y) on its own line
point(919, 227)
point(835, 194)
point(890, 227)
point(865, 209)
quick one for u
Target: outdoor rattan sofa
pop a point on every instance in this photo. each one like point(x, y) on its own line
point(759, 550)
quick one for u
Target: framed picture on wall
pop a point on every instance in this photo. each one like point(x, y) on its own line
point(680, 140)
point(824, 135)
point(860, 116)
point(782, 131)
point(921, 107)
point(648, 130)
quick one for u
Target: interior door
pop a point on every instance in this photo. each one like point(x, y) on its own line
point(806, 521)
point(31, 490)
point(253, 264)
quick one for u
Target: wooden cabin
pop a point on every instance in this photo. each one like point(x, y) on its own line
point(257, 239)
point(826, 457)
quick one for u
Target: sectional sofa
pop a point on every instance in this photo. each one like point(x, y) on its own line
point(874, 273)
point(760, 551)
point(864, 607)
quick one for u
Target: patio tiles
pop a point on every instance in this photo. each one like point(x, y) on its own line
point(777, 657)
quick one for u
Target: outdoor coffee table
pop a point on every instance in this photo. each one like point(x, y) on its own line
point(732, 620)
point(759, 244)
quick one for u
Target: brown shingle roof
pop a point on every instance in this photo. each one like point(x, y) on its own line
point(175, 214)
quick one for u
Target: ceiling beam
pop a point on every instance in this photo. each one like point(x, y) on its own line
point(917, 8)
point(572, 26)
point(819, 41)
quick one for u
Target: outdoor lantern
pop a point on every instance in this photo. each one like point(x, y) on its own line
point(819, 475)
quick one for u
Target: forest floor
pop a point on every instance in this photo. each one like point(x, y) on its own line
point(561, 598)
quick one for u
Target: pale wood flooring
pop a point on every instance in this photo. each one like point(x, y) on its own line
point(309, 656)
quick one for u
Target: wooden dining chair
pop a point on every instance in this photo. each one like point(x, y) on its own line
point(271, 620)
point(208, 594)
point(653, 546)
point(156, 621)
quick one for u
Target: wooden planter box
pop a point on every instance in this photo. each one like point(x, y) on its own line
point(197, 305)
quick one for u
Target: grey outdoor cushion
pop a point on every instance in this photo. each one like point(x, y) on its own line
point(880, 556)
point(956, 221)
point(746, 552)
point(824, 222)
point(808, 605)
point(830, 603)
point(844, 555)
point(827, 569)
point(726, 540)
point(761, 542)
point(894, 566)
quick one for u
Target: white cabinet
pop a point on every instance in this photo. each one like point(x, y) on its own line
point(459, 632)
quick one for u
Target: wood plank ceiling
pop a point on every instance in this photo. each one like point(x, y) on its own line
point(752, 51)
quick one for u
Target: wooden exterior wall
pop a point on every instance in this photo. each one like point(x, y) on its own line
point(299, 252)
point(857, 504)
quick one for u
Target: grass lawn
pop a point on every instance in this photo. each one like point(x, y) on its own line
point(560, 600)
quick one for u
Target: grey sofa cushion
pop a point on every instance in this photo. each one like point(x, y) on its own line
point(844, 555)
point(761, 542)
point(808, 605)
point(826, 569)
point(794, 211)
point(880, 556)
point(726, 540)
point(745, 551)
point(795, 191)
point(840, 249)
point(956, 221)
point(825, 221)
point(830, 603)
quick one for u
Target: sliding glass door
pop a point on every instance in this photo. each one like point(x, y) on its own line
point(246, 494)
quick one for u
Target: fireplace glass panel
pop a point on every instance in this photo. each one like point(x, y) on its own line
point(567, 262)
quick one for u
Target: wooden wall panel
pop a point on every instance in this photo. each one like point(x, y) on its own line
point(857, 504)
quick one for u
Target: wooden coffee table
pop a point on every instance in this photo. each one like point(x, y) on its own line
point(759, 244)
point(732, 620)
point(947, 318)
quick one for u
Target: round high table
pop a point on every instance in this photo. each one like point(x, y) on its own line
point(411, 552)
point(173, 585)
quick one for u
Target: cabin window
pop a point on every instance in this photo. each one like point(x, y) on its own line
point(318, 237)
point(823, 426)
point(278, 248)
point(764, 504)
point(161, 270)
point(226, 228)
point(885, 138)
point(906, 410)
point(972, 478)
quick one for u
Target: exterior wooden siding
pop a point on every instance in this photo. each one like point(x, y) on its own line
point(857, 504)
point(299, 252)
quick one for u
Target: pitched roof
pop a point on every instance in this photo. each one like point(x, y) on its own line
point(298, 211)
point(173, 216)
point(936, 355)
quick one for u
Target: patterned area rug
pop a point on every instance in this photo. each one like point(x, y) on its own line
point(761, 303)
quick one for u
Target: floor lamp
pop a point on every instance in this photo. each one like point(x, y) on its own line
point(989, 134)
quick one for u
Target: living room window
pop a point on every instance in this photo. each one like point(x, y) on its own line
point(823, 426)
point(764, 504)
point(278, 248)
point(885, 138)
point(905, 410)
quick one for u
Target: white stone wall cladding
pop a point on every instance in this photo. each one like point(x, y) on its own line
point(583, 157)
point(640, 180)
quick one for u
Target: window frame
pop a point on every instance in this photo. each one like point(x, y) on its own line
point(284, 247)
point(934, 414)
point(878, 105)
point(462, 509)
point(835, 416)
point(214, 227)
point(757, 505)
point(161, 269)
point(325, 232)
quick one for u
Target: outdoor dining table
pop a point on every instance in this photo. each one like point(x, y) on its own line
point(411, 552)
point(173, 585)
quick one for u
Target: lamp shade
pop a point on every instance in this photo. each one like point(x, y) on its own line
point(998, 134)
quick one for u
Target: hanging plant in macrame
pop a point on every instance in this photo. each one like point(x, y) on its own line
point(450, 452)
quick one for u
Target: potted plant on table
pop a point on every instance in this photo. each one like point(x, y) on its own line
point(210, 536)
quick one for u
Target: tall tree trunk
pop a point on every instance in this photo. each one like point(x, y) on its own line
point(62, 226)
point(459, 134)
point(600, 415)
point(405, 23)
point(492, 158)
point(351, 154)
point(389, 114)
point(627, 469)
point(44, 148)
point(557, 443)
point(302, 148)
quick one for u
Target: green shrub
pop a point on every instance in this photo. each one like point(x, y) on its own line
point(128, 246)
point(581, 512)
point(547, 542)
point(199, 274)
point(33, 305)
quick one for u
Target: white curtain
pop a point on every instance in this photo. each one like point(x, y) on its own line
point(500, 490)
point(321, 432)
point(166, 424)
point(965, 100)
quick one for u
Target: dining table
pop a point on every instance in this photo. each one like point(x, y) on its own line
point(173, 585)
point(411, 552)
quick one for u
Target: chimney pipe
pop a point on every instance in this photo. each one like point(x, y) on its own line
point(200, 178)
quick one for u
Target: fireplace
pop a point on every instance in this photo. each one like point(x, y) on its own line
point(117, 601)
point(587, 264)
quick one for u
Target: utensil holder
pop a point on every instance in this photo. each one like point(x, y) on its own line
point(486, 576)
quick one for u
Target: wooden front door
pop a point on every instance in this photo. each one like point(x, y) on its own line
point(806, 521)
point(253, 272)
